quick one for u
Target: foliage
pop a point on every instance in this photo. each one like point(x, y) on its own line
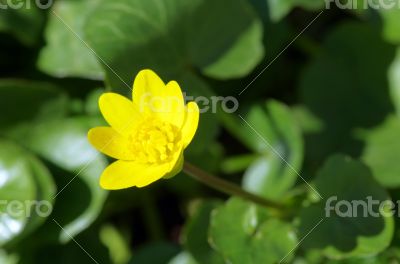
point(318, 118)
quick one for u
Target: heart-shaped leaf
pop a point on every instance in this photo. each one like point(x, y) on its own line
point(66, 53)
point(348, 222)
point(252, 238)
point(145, 34)
point(346, 87)
point(196, 234)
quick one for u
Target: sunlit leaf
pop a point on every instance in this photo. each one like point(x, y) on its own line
point(278, 9)
point(183, 258)
point(116, 244)
point(382, 151)
point(141, 34)
point(66, 52)
point(16, 187)
point(272, 132)
point(64, 143)
point(394, 81)
point(391, 22)
point(26, 191)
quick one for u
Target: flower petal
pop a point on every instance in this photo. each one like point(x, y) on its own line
point(191, 122)
point(119, 112)
point(152, 96)
point(125, 174)
point(177, 168)
point(147, 85)
point(174, 111)
point(110, 142)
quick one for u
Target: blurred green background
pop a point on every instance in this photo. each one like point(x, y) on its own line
point(310, 81)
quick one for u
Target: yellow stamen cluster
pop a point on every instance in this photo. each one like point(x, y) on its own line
point(154, 141)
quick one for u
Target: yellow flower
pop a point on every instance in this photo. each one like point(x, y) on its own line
point(147, 135)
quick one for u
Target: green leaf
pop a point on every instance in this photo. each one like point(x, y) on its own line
point(7, 259)
point(16, 186)
point(172, 37)
point(382, 150)
point(183, 258)
point(271, 175)
point(208, 128)
point(237, 163)
point(118, 247)
point(24, 184)
point(236, 61)
point(308, 122)
point(391, 23)
point(92, 102)
point(24, 23)
point(196, 234)
point(346, 87)
point(66, 53)
point(347, 230)
point(240, 232)
point(271, 131)
point(394, 81)
point(64, 143)
point(29, 101)
point(278, 9)
point(45, 191)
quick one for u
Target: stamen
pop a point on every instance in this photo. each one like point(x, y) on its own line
point(155, 141)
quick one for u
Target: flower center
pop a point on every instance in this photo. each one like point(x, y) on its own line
point(155, 141)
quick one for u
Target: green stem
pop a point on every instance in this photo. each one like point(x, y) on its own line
point(228, 187)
